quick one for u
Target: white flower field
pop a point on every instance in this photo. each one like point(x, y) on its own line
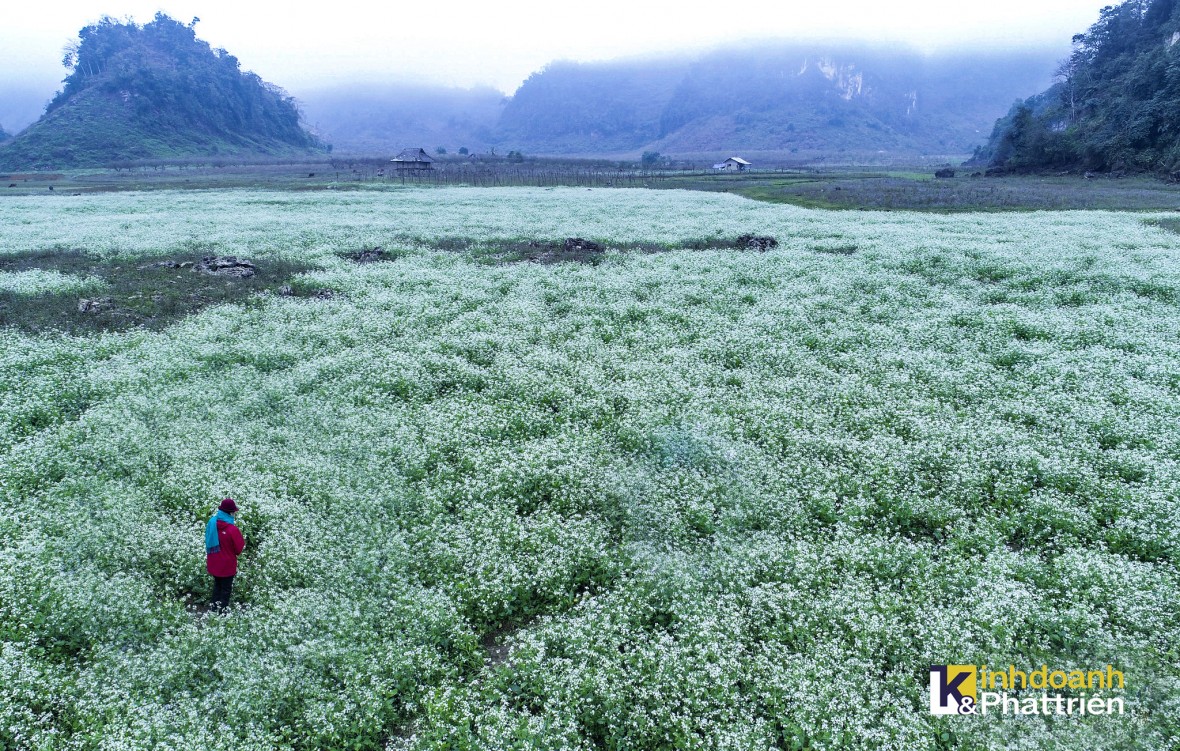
point(689, 499)
point(39, 281)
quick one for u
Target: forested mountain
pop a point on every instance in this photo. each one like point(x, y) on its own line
point(1116, 105)
point(772, 97)
point(155, 91)
point(3, 134)
point(376, 118)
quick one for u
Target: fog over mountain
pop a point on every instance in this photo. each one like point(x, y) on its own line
point(368, 119)
point(792, 99)
point(21, 105)
point(810, 100)
point(461, 44)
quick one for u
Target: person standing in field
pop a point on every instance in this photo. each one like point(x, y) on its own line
point(223, 545)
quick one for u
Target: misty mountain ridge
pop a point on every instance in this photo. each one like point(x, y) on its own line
point(774, 97)
point(156, 91)
point(21, 104)
point(809, 99)
point(375, 118)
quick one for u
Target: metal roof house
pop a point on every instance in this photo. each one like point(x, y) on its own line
point(412, 159)
point(733, 164)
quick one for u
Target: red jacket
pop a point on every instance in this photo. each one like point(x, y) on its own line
point(225, 561)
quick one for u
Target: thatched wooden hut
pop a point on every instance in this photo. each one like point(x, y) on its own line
point(412, 159)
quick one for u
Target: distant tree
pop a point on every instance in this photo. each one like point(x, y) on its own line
point(650, 159)
point(1067, 75)
point(463, 150)
point(515, 156)
point(440, 151)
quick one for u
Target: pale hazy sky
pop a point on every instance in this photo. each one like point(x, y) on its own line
point(301, 46)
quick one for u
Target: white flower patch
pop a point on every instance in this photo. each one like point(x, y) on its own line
point(42, 281)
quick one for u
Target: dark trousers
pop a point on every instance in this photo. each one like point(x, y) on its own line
point(222, 587)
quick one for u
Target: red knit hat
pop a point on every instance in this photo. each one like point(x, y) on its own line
point(228, 506)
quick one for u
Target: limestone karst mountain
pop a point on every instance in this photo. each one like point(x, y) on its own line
point(156, 91)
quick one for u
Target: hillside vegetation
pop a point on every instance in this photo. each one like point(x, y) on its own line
point(1116, 105)
point(155, 91)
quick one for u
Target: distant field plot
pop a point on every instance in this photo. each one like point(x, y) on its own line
point(502, 489)
point(968, 191)
point(900, 188)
